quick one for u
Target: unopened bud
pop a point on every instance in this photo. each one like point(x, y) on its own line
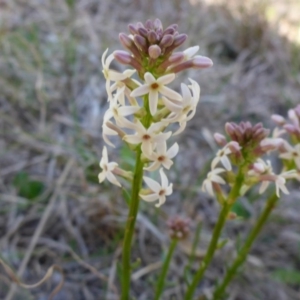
point(143, 32)
point(141, 43)
point(231, 216)
point(166, 41)
point(152, 37)
point(154, 51)
point(133, 29)
point(202, 62)
point(279, 120)
point(234, 147)
point(128, 43)
point(220, 139)
point(122, 57)
point(158, 24)
point(179, 39)
point(170, 29)
point(149, 24)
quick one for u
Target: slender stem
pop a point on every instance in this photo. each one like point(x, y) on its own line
point(210, 251)
point(133, 211)
point(165, 268)
point(234, 193)
point(130, 224)
point(242, 255)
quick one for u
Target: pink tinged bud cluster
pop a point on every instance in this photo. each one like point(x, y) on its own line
point(151, 48)
point(179, 228)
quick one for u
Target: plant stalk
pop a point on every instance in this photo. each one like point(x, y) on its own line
point(234, 193)
point(242, 255)
point(130, 224)
point(165, 268)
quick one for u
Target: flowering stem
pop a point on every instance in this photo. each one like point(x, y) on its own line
point(216, 234)
point(130, 224)
point(165, 268)
point(133, 210)
point(242, 255)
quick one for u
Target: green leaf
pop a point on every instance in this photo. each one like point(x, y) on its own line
point(240, 210)
point(27, 188)
point(288, 276)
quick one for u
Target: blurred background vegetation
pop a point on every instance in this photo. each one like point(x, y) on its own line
point(52, 101)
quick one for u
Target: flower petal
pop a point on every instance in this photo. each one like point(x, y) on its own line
point(166, 79)
point(149, 198)
point(172, 152)
point(111, 177)
point(152, 184)
point(153, 99)
point(164, 178)
point(140, 91)
point(149, 78)
point(170, 93)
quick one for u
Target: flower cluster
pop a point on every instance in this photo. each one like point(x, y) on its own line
point(290, 150)
point(179, 228)
point(245, 151)
point(140, 112)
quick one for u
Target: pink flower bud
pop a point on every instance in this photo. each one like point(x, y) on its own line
point(158, 24)
point(149, 24)
point(179, 39)
point(279, 120)
point(166, 41)
point(122, 57)
point(220, 139)
point(128, 43)
point(143, 32)
point(154, 51)
point(133, 29)
point(202, 62)
point(152, 37)
point(140, 42)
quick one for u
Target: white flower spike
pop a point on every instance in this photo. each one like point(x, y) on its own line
point(159, 191)
point(107, 169)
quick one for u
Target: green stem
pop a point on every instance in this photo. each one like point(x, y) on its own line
point(133, 211)
point(242, 255)
point(234, 193)
point(130, 224)
point(165, 268)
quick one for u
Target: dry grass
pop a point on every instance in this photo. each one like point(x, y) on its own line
point(52, 101)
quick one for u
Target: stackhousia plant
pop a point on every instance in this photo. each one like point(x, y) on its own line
point(144, 112)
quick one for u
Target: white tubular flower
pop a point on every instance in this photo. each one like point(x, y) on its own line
point(111, 75)
point(119, 112)
point(159, 191)
point(212, 176)
point(108, 131)
point(154, 87)
point(189, 105)
point(293, 153)
point(107, 168)
point(222, 157)
point(162, 156)
point(266, 175)
point(148, 137)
